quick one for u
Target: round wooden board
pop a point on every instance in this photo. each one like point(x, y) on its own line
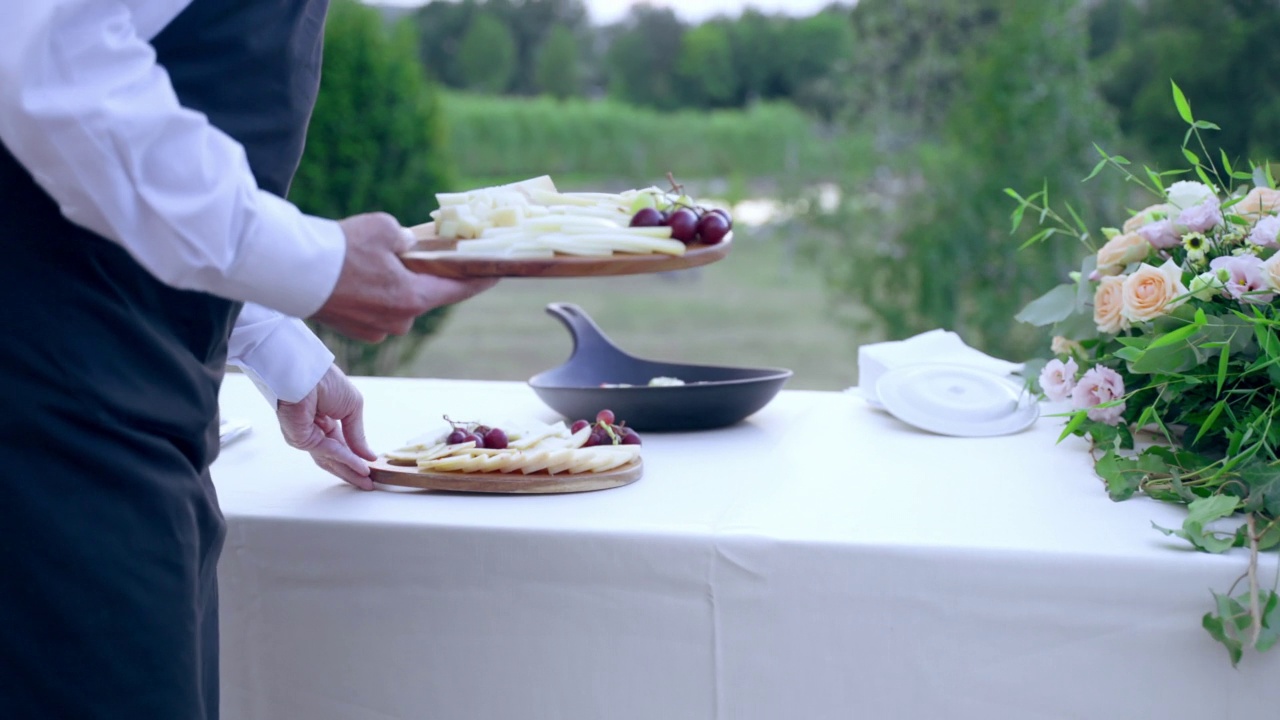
point(563, 266)
point(508, 483)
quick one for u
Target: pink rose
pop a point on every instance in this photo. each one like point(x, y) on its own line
point(1058, 379)
point(1203, 217)
point(1097, 386)
point(1161, 234)
point(1247, 278)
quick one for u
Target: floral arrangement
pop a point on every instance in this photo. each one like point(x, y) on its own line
point(1166, 347)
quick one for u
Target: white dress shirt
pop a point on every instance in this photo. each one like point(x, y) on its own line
point(87, 110)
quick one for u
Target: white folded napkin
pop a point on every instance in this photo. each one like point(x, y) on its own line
point(934, 346)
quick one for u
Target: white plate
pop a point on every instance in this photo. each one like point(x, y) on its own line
point(957, 400)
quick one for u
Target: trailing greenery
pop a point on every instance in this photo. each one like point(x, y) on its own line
point(493, 138)
point(375, 144)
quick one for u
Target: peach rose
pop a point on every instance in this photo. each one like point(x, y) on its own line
point(1108, 305)
point(1258, 203)
point(1150, 214)
point(1120, 251)
point(1153, 291)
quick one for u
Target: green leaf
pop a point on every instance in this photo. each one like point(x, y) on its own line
point(1270, 621)
point(1073, 424)
point(1119, 474)
point(1224, 357)
point(1096, 169)
point(1054, 306)
point(1190, 156)
point(1222, 628)
point(1213, 415)
point(1179, 335)
point(1180, 100)
point(1226, 163)
point(1200, 513)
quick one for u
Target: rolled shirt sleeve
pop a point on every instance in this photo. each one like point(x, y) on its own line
point(85, 107)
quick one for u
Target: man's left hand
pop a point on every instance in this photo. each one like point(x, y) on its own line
point(329, 424)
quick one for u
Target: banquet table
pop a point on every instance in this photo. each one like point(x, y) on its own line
point(819, 560)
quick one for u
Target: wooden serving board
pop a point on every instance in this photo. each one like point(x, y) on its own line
point(511, 483)
point(559, 266)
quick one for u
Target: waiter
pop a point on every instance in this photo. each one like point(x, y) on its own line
point(144, 244)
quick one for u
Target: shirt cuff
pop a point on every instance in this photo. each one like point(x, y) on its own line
point(295, 277)
point(286, 364)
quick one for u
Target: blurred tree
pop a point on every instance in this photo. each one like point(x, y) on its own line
point(375, 142)
point(442, 26)
point(487, 54)
point(1223, 59)
point(755, 42)
point(642, 58)
point(927, 245)
point(559, 72)
point(705, 69)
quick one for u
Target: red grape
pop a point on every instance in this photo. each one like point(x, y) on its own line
point(578, 425)
point(605, 416)
point(724, 214)
point(647, 217)
point(630, 437)
point(712, 228)
point(597, 437)
point(478, 440)
point(457, 436)
point(684, 225)
point(495, 438)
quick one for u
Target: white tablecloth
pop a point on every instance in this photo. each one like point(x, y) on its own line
point(820, 560)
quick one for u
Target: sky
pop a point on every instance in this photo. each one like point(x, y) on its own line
point(607, 11)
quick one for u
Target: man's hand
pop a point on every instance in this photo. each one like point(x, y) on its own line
point(376, 294)
point(329, 424)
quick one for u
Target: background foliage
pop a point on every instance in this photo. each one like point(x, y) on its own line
point(918, 112)
point(375, 143)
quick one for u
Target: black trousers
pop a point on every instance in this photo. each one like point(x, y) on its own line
point(109, 541)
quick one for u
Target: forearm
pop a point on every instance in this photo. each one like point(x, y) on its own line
point(280, 354)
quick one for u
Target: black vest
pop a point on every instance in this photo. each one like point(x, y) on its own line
point(86, 329)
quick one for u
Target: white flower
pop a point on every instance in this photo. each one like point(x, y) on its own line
point(1058, 379)
point(1186, 194)
point(1208, 284)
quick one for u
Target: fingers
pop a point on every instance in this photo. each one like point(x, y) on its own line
point(338, 459)
point(343, 472)
point(433, 292)
point(353, 434)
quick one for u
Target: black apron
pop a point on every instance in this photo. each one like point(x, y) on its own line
point(109, 526)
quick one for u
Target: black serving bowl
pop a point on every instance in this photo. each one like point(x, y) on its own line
point(712, 396)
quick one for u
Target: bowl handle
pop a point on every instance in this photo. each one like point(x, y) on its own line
point(589, 340)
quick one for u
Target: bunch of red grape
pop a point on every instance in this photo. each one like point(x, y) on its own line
point(482, 435)
point(605, 432)
point(688, 224)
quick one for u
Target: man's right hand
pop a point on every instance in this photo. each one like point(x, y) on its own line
point(376, 294)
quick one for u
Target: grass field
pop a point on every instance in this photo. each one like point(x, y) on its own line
point(754, 308)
